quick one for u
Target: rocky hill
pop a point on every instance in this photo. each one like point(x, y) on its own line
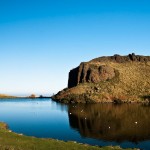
point(109, 79)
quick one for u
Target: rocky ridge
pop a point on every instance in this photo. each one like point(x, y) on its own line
point(109, 79)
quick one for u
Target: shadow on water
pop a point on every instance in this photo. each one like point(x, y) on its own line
point(109, 122)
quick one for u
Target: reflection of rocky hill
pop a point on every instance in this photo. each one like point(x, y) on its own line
point(106, 79)
point(111, 122)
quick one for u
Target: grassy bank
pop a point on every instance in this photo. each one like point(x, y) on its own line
point(3, 96)
point(13, 141)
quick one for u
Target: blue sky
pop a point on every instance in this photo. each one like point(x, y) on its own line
point(41, 40)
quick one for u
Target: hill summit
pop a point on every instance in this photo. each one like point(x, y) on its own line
point(109, 79)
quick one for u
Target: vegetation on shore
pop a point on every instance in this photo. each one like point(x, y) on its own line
point(13, 141)
point(6, 96)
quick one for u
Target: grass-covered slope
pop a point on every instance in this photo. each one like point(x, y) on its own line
point(107, 79)
point(13, 141)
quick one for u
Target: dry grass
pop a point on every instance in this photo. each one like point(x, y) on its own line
point(131, 84)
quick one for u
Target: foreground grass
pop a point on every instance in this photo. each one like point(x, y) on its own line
point(13, 141)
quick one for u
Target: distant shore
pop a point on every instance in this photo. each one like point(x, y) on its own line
point(3, 96)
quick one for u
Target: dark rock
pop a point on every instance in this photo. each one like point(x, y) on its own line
point(73, 77)
point(90, 73)
point(123, 59)
point(117, 101)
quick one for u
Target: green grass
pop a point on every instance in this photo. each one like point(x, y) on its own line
point(13, 141)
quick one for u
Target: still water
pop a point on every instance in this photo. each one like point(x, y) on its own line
point(127, 125)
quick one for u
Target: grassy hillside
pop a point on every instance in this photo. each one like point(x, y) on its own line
point(131, 83)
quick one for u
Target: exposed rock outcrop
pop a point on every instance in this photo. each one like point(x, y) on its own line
point(107, 79)
point(90, 73)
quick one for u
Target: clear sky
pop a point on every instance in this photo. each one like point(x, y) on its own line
point(41, 40)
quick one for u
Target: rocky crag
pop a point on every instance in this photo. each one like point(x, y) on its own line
point(109, 79)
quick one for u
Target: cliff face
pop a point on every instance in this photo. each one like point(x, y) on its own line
point(92, 72)
point(109, 78)
point(86, 73)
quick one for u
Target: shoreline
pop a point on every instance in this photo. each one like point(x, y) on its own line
point(147, 102)
point(11, 140)
point(117, 102)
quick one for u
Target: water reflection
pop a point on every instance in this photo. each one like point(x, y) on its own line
point(96, 124)
point(109, 122)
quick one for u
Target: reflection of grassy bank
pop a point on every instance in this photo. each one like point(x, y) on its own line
point(13, 141)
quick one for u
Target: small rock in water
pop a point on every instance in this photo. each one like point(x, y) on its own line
point(70, 113)
point(135, 122)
